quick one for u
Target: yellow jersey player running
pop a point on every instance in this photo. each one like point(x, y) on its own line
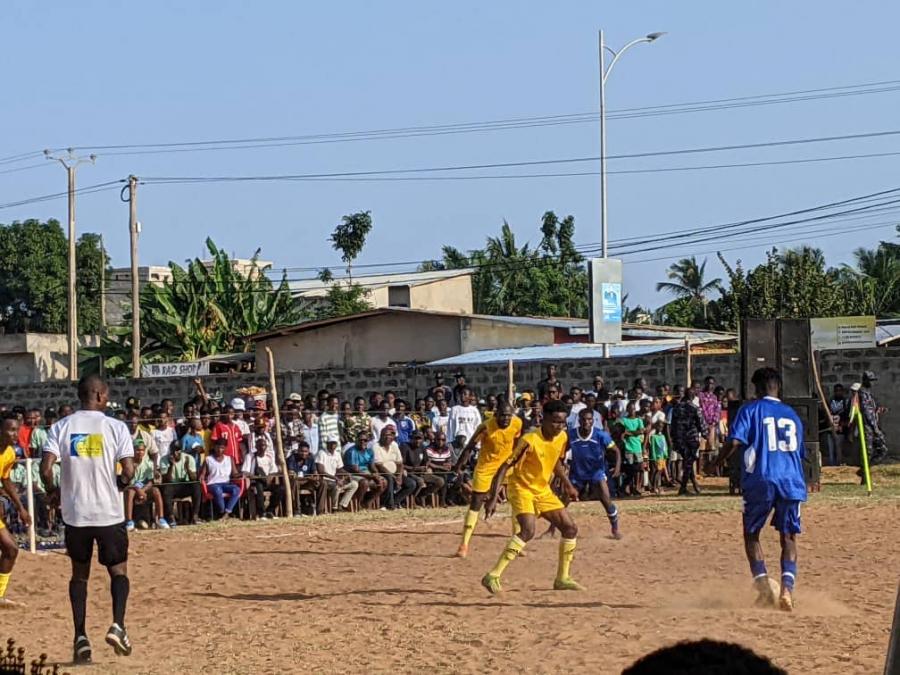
point(9, 434)
point(498, 436)
point(537, 459)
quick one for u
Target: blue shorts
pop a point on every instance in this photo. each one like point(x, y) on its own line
point(786, 518)
point(596, 477)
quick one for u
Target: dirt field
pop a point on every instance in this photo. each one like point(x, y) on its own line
point(379, 592)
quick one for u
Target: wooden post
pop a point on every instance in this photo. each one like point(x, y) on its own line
point(892, 662)
point(687, 362)
point(279, 441)
point(510, 384)
point(817, 487)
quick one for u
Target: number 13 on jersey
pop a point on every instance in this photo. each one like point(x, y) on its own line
point(781, 434)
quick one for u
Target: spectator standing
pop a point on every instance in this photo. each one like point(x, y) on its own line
point(459, 389)
point(193, 443)
point(329, 423)
point(357, 422)
point(710, 409)
point(633, 439)
point(686, 428)
point(179, 480)
point(544, 385)
point(163, 436)
point(405, 424)
point(839, 408)
point(27, 428)
point(871, 411)
point(309, 428)
point(262, 471)
point(464, 419)
point(422, 415)
point(439, 386)
point(382, 420)
point(227, 430)
point(440, 420)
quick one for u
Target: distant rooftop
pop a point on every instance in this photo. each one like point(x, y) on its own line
point(314, 288)
point(576, 350)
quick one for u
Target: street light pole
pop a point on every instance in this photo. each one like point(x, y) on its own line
point(604, 74)
point(71, 162)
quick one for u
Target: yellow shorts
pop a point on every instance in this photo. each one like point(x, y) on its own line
point(483, 477)
point(536, 502)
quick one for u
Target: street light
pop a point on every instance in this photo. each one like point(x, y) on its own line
point(604, 75)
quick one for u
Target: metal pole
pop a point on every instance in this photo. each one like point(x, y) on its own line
point(73, 309)
point(135, 281)
point(603, 226)
point(29, 488)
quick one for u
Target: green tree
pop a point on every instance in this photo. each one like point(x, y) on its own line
point(341, 300)
point(34, 278)
point(687, 280)
point(509, 279)
point(349, 237)
point(873, 285)
point(206, 308)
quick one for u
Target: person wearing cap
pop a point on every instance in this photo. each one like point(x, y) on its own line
point(868, 406)
point(339, 485)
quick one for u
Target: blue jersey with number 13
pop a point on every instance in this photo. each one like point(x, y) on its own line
point(772, 436)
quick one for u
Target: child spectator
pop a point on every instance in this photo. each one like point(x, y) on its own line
point(633, 440)
point(659, 452)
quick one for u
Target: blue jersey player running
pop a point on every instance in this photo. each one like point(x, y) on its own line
point(588, 445)
point(770, 436)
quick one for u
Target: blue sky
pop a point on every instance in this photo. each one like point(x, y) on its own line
point(92, 73)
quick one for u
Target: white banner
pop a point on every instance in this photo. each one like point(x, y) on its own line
point(187, 369)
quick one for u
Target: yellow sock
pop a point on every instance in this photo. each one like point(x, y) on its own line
point(513, 548)
point(469, 526)
point(566, 553)
point(4, 582)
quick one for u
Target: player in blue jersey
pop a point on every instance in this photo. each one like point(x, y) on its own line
point(769, 435)
point(588, 446)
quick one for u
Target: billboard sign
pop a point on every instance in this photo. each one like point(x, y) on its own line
point(842, 332)
point(186, 369)
point(606, 300)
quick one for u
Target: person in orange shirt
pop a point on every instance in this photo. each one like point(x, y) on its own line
point(30, 423)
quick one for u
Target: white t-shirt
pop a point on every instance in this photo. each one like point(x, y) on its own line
point(88, 445)
point(389, 457)
point(464, 419)
point(218, 472)
point(378, 425)
point(163, 438)
point(330, 461)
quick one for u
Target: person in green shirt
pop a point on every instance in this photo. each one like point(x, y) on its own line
point(143, 487)
point(659, 452)
point(179, 474)
point(20, 480)
point(633, 440)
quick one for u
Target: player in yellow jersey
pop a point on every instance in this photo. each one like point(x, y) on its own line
point(537, 458)
point(9, 434)
point(498, 436)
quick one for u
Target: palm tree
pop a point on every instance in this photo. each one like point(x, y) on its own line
point(687, 281)
point(874, 284)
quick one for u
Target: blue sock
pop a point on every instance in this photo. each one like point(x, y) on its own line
point(788, 573)
point(758, 568)
point(612, 513)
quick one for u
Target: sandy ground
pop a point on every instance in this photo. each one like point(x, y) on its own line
point(372, 593)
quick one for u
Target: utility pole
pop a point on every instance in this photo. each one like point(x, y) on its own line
point(102, 288)
point(134, 229)
point(71, 162)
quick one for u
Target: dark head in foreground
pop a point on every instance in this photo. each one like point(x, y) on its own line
point(703, 657)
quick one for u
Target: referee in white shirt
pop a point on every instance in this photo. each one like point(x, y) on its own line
point(88, 444)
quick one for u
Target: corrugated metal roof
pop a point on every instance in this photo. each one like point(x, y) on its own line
point(576, 350)
point(312, 288)
point(886, 332)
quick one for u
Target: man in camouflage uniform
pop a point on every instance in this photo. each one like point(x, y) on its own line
point(875, 443)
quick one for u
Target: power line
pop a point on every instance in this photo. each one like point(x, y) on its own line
point(99, 187)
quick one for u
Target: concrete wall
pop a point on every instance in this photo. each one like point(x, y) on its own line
point(487, 334)
point(446, 295)
point(34, 357)
point(366, 343)
point(844, 366)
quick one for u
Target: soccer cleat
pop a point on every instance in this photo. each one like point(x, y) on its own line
point(129, 526)
point(117, 638)
point(786, 600)
point(491, 583)
point(567, 585)
point(82, 651)
point(163, 524)
point(462, 551)
point(766, 591)
point(614, 529)
point(6, 603)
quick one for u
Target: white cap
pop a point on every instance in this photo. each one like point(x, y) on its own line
point(238, 404)
point(856, 386)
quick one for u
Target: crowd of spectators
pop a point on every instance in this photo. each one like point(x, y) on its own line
point(217, 458)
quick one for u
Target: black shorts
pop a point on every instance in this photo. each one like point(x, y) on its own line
point(112, 544)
